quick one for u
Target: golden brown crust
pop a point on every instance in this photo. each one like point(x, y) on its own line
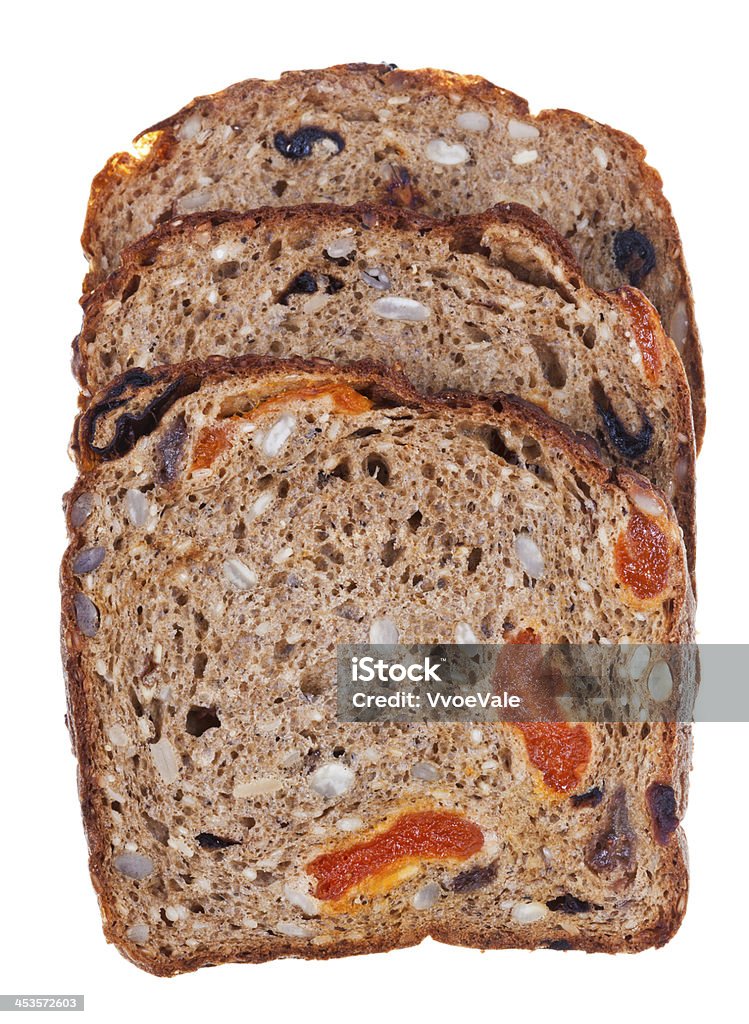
point(161, 139)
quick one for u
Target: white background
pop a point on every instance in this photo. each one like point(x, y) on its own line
point(79, 81)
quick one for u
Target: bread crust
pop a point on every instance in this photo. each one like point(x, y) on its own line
point(163, 140)
point(673, 748)
point(273, 220)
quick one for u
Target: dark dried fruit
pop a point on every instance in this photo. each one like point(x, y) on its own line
point(303, 284)
point(169, 451)
point(590, 798)
point(474, 878)
point(131, 427)
point(208, 841)
point(300, 144)
point(630, 446)
point(561, 944)
point(661, 801)
point(613, 851)
point(568, 904)
point(634, 255)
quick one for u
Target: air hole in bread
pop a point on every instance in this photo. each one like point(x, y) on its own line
point(390, 554)
point(156, 715)
point(498, 446)
point(415, 521)
point(531, 450)
point(201, 719)
point(377, 468)
point(131, 287)
point(365, 432)
point(468, 240)
point(138, 707)
point(551, 365)
point(474, 559)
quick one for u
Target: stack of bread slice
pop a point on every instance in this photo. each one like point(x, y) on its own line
point(373, 356)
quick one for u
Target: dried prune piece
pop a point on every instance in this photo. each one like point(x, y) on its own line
point(568, 904)
point(590, 798)
point(169, 451)
point(634, 255)
point(661, 801)
point(613, 850)
point(303, 284)
point(630, 446)
point(131, 427)
point(208, 841)
point(299, 145)
point(474, 878)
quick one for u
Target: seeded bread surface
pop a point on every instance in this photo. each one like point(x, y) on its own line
point(428, 140)
point(482, 303)
point(204, 591)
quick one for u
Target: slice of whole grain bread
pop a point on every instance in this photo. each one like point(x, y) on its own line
point(482, 303)
point(234, 522)
point(431, 141)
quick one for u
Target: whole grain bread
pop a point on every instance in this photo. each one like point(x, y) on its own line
point(489, 302)
point(234, 521)
point(431, 141)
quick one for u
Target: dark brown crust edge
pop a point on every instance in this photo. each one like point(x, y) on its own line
point(428, 79)
point(675, 739)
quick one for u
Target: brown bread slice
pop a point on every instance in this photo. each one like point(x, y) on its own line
point(368, 132)
point(234, 522)
point(493, 302)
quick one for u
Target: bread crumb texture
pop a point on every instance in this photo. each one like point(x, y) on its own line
point(218, 556)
